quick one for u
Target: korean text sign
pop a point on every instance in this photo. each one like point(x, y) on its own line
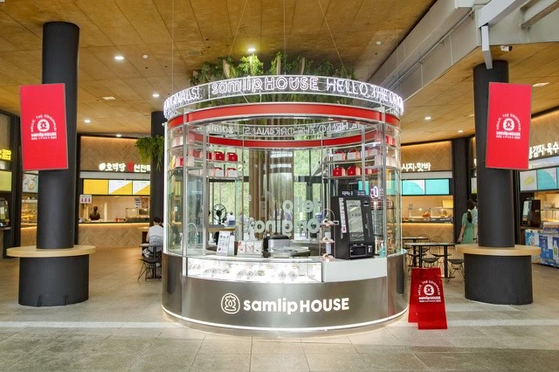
point(508, 126)
point(43, 127)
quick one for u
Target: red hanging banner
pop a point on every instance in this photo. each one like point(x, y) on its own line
point(427, 307)
point(43, 127)
point(508, 126)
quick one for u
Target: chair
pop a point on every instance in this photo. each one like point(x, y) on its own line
point(456, 263)
point(151, 261)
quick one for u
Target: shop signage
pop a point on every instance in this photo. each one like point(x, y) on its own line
point(230, 304)
point(542, 150)
point(5, 154)
point(508, 126)
point(43, 127)
point(125, 167)
point(427, 307)
point(284, 225)
point(416, 167)
point(288, 84)
point(284, 130)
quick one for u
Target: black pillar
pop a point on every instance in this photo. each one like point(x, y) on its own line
point(57, 281)
point(156, 175)
point(460, 180)
point(57, 188)
point(495, 186)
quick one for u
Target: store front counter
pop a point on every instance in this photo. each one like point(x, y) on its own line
point(296, 294)
point(99, 234)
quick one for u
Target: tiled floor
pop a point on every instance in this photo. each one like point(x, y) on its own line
point(123, 328)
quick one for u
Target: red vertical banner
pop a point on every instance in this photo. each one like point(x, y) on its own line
point(508, 126)
point(427, 307)
point(43, 127)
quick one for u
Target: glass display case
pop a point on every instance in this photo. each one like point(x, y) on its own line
point(428, 214)
point(373, 169)
point(29, 211)
point(255, 270)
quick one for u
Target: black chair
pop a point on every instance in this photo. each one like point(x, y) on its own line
point(150, 262)
point(456, 263)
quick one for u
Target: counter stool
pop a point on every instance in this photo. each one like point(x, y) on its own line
point(456, 263)
point(151, 262)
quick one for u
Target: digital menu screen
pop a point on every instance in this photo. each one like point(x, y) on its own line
point(528, 181)
point(355, 220)
point(546, 179)
point(413, 187)
point(437, 187)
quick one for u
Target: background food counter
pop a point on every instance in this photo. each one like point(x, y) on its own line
point(99, 234)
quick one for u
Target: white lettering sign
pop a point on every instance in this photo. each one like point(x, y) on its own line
point(283, 84)
point(416, 167)
point(541, 150)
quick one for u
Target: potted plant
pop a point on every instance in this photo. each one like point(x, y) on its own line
point(151, 148)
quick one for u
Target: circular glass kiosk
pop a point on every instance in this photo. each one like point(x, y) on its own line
point(283, 204)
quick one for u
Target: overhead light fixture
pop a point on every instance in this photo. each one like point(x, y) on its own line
point(145, 56)
point(118, 57)
point(460, 131)
point(119, 135)
point(427, 118)
point(109, 98)
point(537, 85)
point(251, 50)
point(155, 95)
point(379, 42)
point(87, 121)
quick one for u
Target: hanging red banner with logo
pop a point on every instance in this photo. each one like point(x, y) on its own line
point(43, 127)
point(427, 307)
point(508, 126)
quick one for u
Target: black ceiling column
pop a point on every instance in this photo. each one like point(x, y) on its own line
point(57, 188)
point(156, 175)
point(495, 186)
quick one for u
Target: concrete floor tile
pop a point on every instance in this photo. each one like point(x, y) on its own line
point(279, 362)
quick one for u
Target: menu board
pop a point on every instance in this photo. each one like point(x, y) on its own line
point(30, 183)
point(413, 187)
point(546, 179)
point(120, 187)
point(140, 187)
point(437, 187)
point(528, 181)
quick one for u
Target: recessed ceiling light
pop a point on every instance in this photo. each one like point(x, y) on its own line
point(379, 42)
point(537, 85)
point(119, 57)
point(145, 56)
point(119, 135)
point(251, 50)
point(471, 115)
point(109, 98)
point(427, 118)
point(155, 95)
point(87, 121)
point(460, 131)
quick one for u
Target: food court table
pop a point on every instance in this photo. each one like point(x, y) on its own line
point(414, 239)
point(422, 245)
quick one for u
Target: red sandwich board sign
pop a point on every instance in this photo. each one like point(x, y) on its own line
point(427, 307)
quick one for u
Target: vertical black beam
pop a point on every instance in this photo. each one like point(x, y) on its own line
point(460, 180)
point(57, 188)
point(495, 186)
point(156, 175)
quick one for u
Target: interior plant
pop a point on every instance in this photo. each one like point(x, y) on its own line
point(151, 148)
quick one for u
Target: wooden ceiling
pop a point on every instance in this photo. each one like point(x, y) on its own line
point(163, 41)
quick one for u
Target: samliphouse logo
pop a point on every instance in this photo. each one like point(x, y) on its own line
point(230, 304)
point(43, 127)
point(508, 126)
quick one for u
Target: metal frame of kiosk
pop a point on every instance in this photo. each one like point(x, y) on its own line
point(235, 290)
point(354, 234)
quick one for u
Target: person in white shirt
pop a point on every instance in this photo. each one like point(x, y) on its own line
point(155, 236)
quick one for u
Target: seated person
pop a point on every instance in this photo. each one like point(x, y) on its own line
point(95, 216)
point(154, 237)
